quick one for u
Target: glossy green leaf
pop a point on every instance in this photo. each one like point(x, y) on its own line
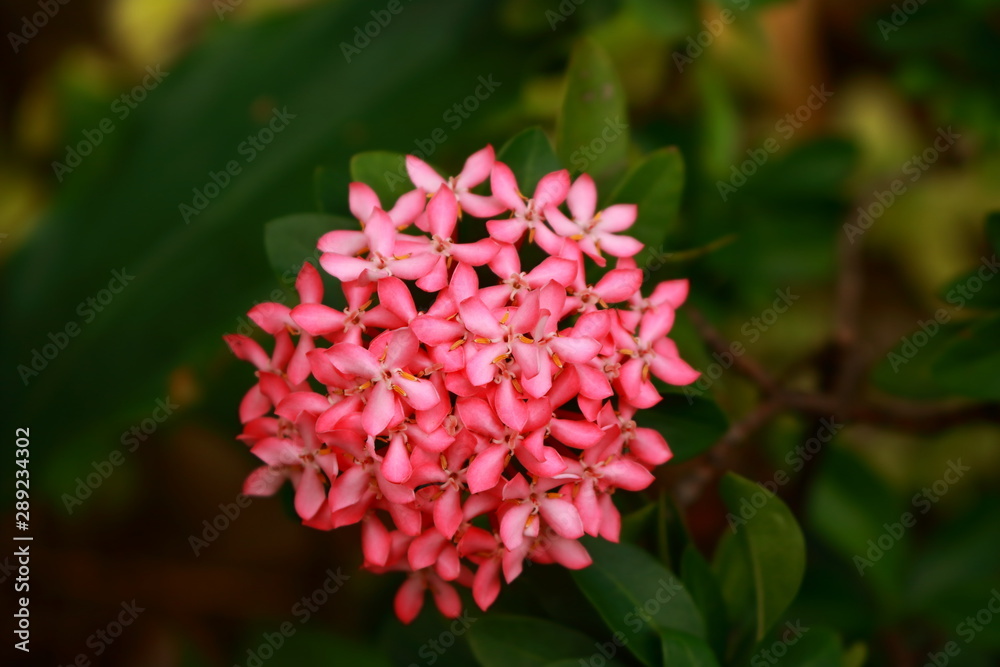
point(800, 645)
point(977, 289)
point(291, 241)
point(682, 649)
point(592, 129)
point(848, 505)
point(655, 185)
point(501, 640)
point(704, 588)
point(690, 423)
point(530, 156)
point(733, 571)
point(384, 172)
point(638, 596)
point(910, 369)
point(773, 545)
point(970, 364)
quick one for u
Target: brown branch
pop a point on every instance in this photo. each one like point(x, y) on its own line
point(743, 364)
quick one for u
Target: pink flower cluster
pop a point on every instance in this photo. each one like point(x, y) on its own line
point(489, 429)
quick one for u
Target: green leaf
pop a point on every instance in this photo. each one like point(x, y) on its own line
point(957, 563)
point(291, 241)
point(502, 640)
point(910, 371)
point(704, 588)
point(773, 545)
point(959, 293)
point(801, 646)
point(733, 571)
point(848, 505)
point(637, 596)
point(691, 424)
point(384, 172)
point(680, 649)
point(592, 129)
point(655, 185)
point(970, 364)
point(530, 156)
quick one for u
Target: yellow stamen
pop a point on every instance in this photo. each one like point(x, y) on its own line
point(399, 390)
point(525, 339)
point(365, 385)
point(407, 375)
point(576, 237)
point(645, 372)
point(506, 316)
point(553, 494)
point(406, 256)
point(483, 341)
point(500, 358)
point(444, 462)
point(458, 343)
point(531, 235)
point(558, 362)
point(517, 385)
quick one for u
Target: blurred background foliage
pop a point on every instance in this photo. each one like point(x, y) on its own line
point(897, 78)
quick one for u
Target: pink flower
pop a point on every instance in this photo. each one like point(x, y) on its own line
point(476, 170)
point(593, 230)
point(482, 422)
point(526, 214)
point(379, 237)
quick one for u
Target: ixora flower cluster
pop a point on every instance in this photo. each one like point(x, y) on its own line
point(494, 426)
